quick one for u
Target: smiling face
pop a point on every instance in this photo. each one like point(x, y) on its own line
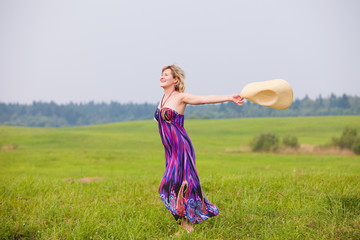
point(167, 79)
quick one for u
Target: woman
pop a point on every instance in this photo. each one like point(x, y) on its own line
point(180, 188)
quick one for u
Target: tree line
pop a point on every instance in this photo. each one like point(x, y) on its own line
point(51, 114)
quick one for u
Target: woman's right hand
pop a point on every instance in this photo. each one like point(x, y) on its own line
point(237, 99)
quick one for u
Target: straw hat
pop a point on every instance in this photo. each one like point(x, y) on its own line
point(275, 93)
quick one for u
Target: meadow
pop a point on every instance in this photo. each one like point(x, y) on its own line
point(101, 182)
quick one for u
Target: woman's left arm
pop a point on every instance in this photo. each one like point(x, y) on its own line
point(196, 100)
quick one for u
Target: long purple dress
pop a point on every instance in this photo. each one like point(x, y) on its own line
point(180, 188)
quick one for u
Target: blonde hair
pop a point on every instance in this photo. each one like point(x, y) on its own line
point(179, 74)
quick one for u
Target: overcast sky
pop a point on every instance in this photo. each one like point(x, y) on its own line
point(105, 50)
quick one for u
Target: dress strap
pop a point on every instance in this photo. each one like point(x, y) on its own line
point(162, 104)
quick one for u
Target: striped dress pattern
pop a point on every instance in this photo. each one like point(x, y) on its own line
point(180, 188)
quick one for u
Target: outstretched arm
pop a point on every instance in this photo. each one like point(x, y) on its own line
point(196, 100)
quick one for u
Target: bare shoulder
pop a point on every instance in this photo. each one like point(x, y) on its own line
point(182, 97)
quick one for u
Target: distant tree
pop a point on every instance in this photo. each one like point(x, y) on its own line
point(296, 104)
point(57, 115)
point(343, 102)
point(333, 101)
point(222, 107)
point(319, 102)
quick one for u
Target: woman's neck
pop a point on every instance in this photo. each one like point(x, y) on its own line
point(168, 91)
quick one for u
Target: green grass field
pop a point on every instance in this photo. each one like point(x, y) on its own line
point(260, 196)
